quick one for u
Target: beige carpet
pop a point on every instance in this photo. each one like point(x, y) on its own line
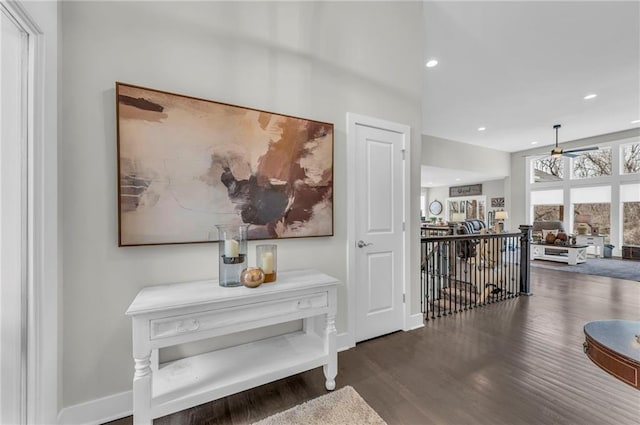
point(343, 406)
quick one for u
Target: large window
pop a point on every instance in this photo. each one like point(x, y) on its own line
point(630, 159)
point(595, 204)
point(630, 199)
point(592, 164)
point(598, 190)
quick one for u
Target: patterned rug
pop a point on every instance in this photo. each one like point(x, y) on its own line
point(608, 267)
point(340, 407)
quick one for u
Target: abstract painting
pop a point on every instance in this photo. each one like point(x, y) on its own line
point(186, 164)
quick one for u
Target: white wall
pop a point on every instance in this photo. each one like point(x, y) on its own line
point(446, 153)
point(490, 189)
point(316, 60)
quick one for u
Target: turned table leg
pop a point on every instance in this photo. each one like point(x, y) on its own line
point(331, 368)
point(142, 391)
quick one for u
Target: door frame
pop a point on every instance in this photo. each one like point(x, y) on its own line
point(354, 120)
point(41, 220)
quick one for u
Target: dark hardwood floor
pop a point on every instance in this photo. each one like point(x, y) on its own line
point(515, 362)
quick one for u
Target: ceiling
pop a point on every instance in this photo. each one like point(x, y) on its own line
point(517, 68)
point(438, 177)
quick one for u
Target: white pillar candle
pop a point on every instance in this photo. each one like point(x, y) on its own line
point(231, 248)
point(267, 262)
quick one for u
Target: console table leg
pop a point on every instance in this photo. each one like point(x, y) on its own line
point(331, 368)
point(142, 391)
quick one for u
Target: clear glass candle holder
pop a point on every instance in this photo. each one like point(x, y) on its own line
point(267, 260)
point(232, 253)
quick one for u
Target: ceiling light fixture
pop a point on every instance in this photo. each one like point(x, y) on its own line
point(635, 121)
point(431, 63)
point(590, 96)
point(458, 179)
point(557, 152)
point(535, 142)
point(482, 128)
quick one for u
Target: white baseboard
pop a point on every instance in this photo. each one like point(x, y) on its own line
point(344, 341)
point(99, 411)
point(415, 321)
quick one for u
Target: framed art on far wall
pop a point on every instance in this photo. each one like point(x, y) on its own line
point(187, 164)
point(497, 202)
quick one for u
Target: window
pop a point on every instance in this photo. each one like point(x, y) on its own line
point(630, 199)
point(630, 159)
point(586, 185)
point(547, 205)
point(594, 203)
point(548, 213)
point(547, 169)
point(592, 164)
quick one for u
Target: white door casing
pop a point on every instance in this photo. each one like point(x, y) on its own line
point(13, 135)
point(38, 212)
point(377, 243)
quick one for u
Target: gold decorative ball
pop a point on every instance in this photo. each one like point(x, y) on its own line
point(252, 277)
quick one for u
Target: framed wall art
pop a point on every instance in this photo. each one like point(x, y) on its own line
point(468, 190)
point(187, 164)
point(497, 202)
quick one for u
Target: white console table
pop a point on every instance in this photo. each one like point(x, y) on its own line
point(172, 314)
point(596, 241)
point(571, 254)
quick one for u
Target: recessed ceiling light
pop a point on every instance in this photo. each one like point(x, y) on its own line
point(430, 183)
point(431, 63)
point(635, 121)
point(482, 128)
point(458, 179)
point(535, 142)
point(590, 96)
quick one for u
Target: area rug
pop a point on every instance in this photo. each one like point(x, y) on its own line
point(340, 407)
point(609, 267)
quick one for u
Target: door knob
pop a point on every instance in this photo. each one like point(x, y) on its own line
point(362, 244)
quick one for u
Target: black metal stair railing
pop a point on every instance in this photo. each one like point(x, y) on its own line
point(461, 272)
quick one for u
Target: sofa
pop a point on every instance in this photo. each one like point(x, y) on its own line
point(473, 226)
point(470, 226)
point(537, 232)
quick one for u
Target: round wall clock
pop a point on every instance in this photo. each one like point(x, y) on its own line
point(435, 207)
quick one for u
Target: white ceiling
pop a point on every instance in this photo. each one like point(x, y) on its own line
point(438, 177)
point(518, 68)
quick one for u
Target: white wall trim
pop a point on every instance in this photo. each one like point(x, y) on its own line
point(352, 121)
point(98, 411)
point(344, 341)
point(42, 219)
point(415, 321)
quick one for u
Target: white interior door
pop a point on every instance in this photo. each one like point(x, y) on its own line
point(379, 235)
